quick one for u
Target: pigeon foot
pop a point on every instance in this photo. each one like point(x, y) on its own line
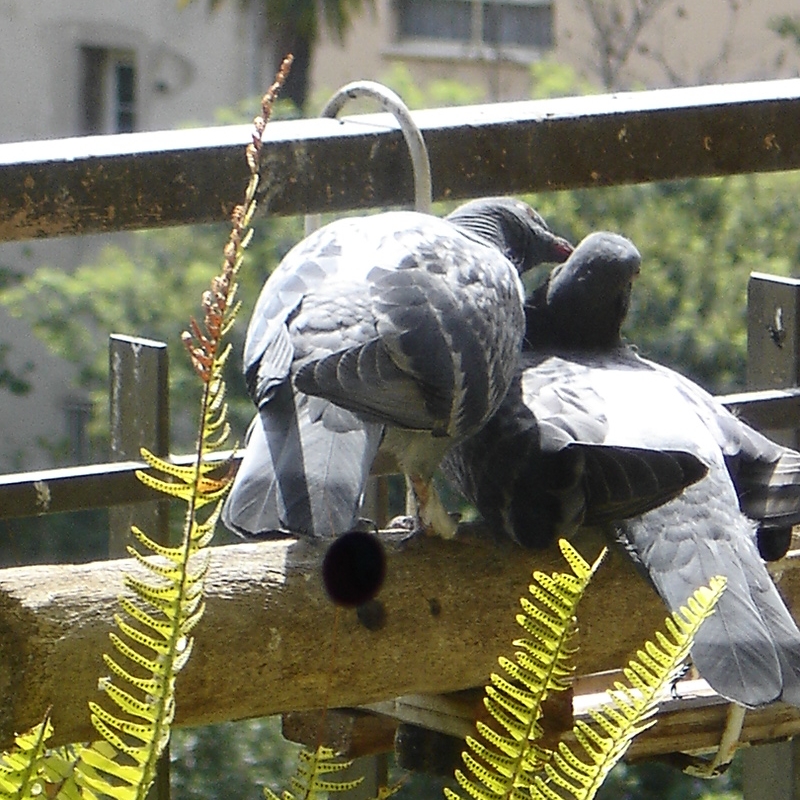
point(434, 517)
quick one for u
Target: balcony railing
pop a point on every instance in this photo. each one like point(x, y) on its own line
point(260, 647)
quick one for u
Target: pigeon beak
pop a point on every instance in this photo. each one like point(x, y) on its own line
point(561, 249)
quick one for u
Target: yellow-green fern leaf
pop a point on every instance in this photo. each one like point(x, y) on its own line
point(21, 769)
point(579, 773)
point(308, 782)
point(153, 630)
point(501, 767)
point(58, 769)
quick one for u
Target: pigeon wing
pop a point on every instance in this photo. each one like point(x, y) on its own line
point(435, 363)
point(300, 473)
point(744, 649)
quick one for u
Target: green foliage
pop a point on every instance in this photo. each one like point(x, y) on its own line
point(551, 79)
point(154, 634)
point(230, 759)
point(21, 768)
point(435, 94)
point(310, 781)
point(29, 770)
point(578, 773)
point(699, 240)
point(503, 768)
point(513, 764)
point(11, 380)
point(787, 26)
point(147, 288)
point(153, 640)
point(656, 781)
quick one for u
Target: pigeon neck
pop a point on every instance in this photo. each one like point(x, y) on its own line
point(586, 324)
point(494, 227)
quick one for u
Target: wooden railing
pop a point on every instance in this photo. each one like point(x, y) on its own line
point(264, 643)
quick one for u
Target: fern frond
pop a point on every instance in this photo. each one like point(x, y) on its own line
point(58, 768)
point(579, 773)
point(21, 768)
point(308, 782)
point(155, 626)
point(502, 766)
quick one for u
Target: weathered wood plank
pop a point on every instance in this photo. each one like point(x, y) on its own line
point(138, 371)
point(144, 180)
point(691, 722)
point(52, 491)
point(266, 646)
point(767, 408)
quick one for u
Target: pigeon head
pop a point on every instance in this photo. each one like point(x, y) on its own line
point(515, 228)
point(585, 300)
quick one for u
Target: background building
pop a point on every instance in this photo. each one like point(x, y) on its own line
point(81, 67)
point(616, 44)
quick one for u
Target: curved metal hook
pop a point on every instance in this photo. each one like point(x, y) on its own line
point(391, 102)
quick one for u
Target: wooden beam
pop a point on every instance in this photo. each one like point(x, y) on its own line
point(767, 408)
point(144, 180)
point(266, 645)
point(691, 720)
point(104, 485)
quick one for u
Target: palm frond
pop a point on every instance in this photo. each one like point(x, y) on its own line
point(579, 773)
point(502, 765)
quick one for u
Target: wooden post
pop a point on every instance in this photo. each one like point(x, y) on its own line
point(773, 337)
point(139, 408)
point(773, 362)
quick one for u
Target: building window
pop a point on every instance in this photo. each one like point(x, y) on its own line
point(495, 23)
point(109, 90)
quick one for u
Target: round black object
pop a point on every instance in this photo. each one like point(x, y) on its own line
point(354, 568)
point(774, 543)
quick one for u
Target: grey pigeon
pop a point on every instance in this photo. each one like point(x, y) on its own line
point(603, 391)
point(536, 476)
point(397, 333)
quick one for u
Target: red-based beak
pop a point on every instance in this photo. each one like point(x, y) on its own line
point(561, 249)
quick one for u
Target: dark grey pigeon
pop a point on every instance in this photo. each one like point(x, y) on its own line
point(580, 389)
point(538, 477)
point(397, 332)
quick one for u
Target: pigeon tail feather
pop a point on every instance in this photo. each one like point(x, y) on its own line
point(749, 649)
point(299, 475)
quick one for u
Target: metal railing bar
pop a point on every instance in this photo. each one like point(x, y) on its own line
point(111, 484)
point(145, 180)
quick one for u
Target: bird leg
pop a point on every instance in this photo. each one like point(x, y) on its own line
point(425, 512)
point(407, 523)
point(727, 746)
point(434, 517)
